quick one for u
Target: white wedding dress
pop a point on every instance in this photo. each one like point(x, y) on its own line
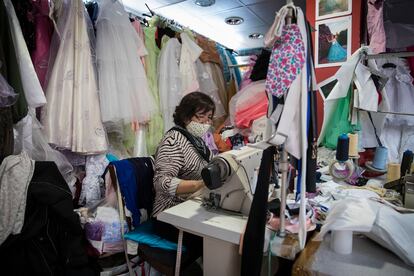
point(71, 117)
point(123, 87)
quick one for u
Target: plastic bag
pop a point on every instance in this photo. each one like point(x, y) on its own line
point(7, 95)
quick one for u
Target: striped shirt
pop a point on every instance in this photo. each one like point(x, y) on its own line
point(176, 159)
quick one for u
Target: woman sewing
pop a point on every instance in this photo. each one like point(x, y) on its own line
point(180, 157)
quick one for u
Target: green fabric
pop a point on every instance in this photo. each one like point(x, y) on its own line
point(155, 128)
point(9, 66)
point(339, 122)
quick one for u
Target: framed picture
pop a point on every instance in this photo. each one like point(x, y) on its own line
point(333, 41)
point(332, 8)
point(325, 87)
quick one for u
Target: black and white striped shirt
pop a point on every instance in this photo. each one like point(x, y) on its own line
point(176, 159)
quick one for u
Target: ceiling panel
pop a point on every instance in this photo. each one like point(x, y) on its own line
point(219, 6)
point(258, 15)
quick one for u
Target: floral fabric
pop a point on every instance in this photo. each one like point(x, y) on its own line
point(286, 60)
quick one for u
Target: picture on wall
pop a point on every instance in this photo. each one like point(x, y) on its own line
point(333, 41)
point(332, 8)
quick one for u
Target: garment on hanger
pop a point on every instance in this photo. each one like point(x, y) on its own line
point(32, 90)
point(190, 52)
point(216, 72)
point(169, 80)
point(286, 61)
point(24, 12)
point(44, 32)
point(72, 116)
point(260, 68)
point(375, 22)
point(155, 128)
point(209, 53)
point(123, 87)
point(209, 87)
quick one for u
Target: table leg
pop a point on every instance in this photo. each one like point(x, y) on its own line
point(220, 258)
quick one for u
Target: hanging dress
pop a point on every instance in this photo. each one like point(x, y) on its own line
point(72, 116)
point(123, 88)
point(155, 130)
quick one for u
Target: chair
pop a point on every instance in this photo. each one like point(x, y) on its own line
point(161, 259)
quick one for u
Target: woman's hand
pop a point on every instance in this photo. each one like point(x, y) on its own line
point(189, 186)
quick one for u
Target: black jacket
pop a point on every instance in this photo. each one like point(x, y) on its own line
point(51, 239)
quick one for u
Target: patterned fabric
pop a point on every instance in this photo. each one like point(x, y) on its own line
point(286, 61)
point(176, 159)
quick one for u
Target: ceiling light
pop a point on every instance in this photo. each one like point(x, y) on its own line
point(205, 3)
point(256, 36)
point(234, 20)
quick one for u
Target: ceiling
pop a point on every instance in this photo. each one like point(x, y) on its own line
point(258, 16)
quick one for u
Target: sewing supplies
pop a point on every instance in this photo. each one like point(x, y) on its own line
point(353, 145)
point(342, 168)
point(380, 160)
point(407, 162)
point(393, 172)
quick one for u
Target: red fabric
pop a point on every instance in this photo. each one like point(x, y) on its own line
point(245, 116)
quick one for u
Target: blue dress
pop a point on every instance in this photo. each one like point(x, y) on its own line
point(336, 52)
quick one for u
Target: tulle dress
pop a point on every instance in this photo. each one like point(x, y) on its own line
point(123, 87)
point(71, 117)
point(336, 52)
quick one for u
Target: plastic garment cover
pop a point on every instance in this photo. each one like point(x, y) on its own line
point(381, 223)
point(32, 90)
point(30, 138)
point(169, 80)
point(248, 104)
point(7, 95)
point(207, 86)
point(123, 87)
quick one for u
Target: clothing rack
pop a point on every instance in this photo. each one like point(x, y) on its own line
point(389, 55)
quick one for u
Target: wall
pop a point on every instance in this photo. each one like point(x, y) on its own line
point(324, 73)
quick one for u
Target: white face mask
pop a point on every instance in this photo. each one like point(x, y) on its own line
point(198, 129)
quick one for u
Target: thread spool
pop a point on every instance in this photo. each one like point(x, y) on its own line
point(342, 148)
point(407, 162)
point(353, 144)
point(393, 172)
point(380, 158)
point(341, 241)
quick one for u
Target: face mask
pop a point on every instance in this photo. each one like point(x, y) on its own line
point(198, 129)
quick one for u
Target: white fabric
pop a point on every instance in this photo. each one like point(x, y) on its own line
point(379, 222)
point(275, 30)
point(16, 172)
point(294, 131)
point(33, 92)
point(190, 52)
point(140, 145)
point(72, 116)
point(169, 80)
point(367, 91)
point(344, 76)
point(123, 87)
point(208, 86)
point(91, 184)
point(29, 137)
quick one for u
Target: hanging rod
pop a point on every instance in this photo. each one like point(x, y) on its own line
point(389, 112)
point(388, 55)
point(239, 65)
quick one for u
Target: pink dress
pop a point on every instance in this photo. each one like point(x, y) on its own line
point(44, 31)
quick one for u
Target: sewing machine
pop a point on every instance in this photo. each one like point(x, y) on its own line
point(231, 179)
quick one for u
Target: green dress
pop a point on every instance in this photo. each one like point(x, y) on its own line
point(155, 128)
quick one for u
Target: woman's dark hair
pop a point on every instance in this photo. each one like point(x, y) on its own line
point(191, 104)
